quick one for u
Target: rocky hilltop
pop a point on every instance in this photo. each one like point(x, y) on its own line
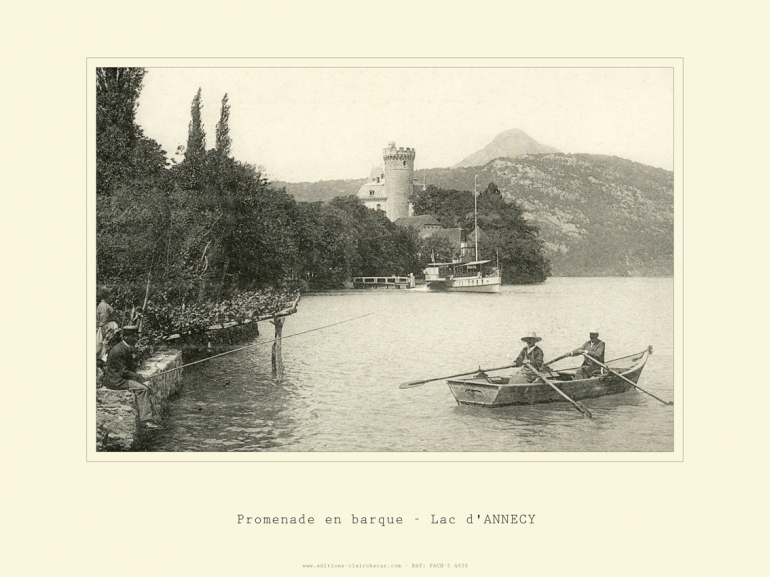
point(598, 215)
point(509, 144)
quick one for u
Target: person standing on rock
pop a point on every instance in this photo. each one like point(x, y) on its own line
point(120, 375)
point(106, 325)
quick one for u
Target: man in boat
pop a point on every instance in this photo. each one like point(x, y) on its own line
point(531, 354)
point(593, 348)
point(120, 375)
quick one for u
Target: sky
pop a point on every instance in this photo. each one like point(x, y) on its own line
point(310, 124)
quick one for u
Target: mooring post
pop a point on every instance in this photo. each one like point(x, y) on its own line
point(277, 358)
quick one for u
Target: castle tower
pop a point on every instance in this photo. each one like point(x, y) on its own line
point(399, 175)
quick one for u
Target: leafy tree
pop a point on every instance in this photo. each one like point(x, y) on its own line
point(435, 249)
point(223, 142)
point(504, 231)
point(342, 239)
point(452, 208)
point(196, 137)
point(122, 151)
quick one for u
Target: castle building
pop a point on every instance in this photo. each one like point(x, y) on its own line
point(389, 188)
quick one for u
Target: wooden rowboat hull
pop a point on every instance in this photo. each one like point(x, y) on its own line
point(496, 391)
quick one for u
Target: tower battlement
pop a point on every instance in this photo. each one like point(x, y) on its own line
point(398, 158)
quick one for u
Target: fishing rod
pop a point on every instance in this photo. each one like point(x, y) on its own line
point(255, 345)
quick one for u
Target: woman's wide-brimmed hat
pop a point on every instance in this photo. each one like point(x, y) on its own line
point(532, 336)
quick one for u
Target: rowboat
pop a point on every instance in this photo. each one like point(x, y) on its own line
point(497, 391)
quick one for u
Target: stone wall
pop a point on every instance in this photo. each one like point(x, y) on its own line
point(117, 418)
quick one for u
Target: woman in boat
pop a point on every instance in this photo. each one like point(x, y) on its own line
point(531, 354)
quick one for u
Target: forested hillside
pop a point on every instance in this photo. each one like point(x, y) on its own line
point(597, 215)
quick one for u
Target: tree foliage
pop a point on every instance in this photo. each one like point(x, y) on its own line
point(210, 229)
point(223, 141)
point(196, 136)
point(122, 151)
point(343, 239)
point(504, 233)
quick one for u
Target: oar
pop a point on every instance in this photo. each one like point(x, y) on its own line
point(578, 405)
point(564, 356)
point(629, 381)
point(412, 384)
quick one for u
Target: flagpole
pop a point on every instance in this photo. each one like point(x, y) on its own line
point(475, 217)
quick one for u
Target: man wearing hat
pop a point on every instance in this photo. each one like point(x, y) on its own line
point(593, 348)
point(531, 354)
point(120, 375)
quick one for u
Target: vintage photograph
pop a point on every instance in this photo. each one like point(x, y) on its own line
point(384, 259)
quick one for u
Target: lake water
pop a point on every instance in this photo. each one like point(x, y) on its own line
point(340, 388)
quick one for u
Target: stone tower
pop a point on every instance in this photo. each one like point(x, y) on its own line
point(399, 175)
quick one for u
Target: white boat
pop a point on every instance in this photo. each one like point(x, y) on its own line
point(468, 277)
point(471, 277)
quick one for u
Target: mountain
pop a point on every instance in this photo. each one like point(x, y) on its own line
point(509, 144)
point(598, 215)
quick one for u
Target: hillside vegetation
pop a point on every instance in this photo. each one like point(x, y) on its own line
point(597, 215)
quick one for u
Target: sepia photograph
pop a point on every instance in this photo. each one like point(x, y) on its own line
point(394, 258)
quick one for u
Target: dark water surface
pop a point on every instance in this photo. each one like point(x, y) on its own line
point(340, 389)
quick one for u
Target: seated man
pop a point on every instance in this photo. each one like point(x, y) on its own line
point(119, 375)
point(593, 348)
point(531, 354)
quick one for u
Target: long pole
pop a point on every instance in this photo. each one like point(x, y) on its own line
point(475, 217)
point(412, 384)
point(577, 404)
point(629, 381)
point(144, 305)
point(255, 345)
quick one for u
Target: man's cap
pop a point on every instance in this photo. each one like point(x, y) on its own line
point(532, 336)
point(130, 330)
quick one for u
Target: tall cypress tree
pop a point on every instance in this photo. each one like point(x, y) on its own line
point(196, 137)
point(223, 129)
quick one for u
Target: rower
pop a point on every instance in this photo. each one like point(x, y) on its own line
point(532, 354)
point(594, 348)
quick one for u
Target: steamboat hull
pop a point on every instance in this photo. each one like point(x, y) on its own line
point(470, 285)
